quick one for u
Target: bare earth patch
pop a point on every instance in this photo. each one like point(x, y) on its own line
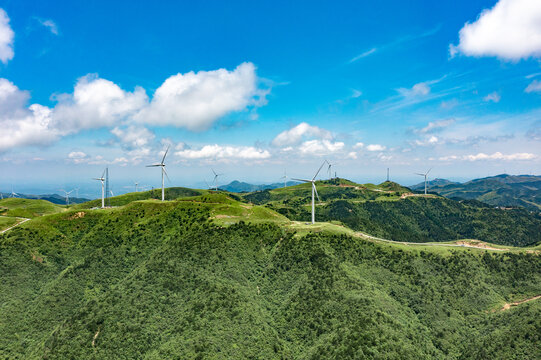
point(478, 244)
point(78, 215)
point(509, 305)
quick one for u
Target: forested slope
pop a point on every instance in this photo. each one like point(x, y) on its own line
point(159, 280)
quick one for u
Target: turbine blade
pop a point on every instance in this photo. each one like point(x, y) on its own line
point(315, 189)
point(154, 165)
point(214, 172)
point(428, 171)
point(304, 180)
point(102, 175)
point(419, 174)
point(167, 176)
point(164, 155)
point(318, 170)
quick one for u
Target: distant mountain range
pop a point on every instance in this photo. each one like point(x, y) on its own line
point(239, 186)
point(501, 190)
point(54, 198)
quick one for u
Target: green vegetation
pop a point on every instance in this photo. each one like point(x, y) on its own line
point(208, 276)
point(502, 190)
point(170, 194)
point(386, 211)
point(6, 222)
point(28, 208)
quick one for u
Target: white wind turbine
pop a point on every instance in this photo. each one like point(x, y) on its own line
point(216, 179)
point(314, 191)
point(162, 165)
point(67, 195)
point(425, 175)
point(284, 178)
point(329, 168)
point(102, 179)
point(13, 194)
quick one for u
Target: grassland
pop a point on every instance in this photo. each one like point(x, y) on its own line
point(28, 208)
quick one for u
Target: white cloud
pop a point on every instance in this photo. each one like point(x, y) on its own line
point(192, 100)
point(511, 30)
point(495, 156)
point(295, 135)
point(420, 89)
point(434, 126)
point(534, 86)
point(96, 103)
point(358, 145)
point(6, 38)
point(224, 152)
point(133, 137)
point(364, 54)
point(494, 97)
point(196, 100)
point(78, 157)
point(320, 147)
point(375, 147)
point(49, 24)
point(352, 155)
point(22, 125)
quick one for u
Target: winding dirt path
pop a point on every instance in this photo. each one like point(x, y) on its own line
point(12, 226)
point(509, 305)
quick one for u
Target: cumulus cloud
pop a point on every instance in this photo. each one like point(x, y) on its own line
point(22, 125)
point(224, 152)
point(320, 147)
point(196, 100)
point(494, 97)
point(6, 38)
point(495, 156)
point(96, 103)
point(511, 30)
point(358, 145)
point(193, 101)
point(78, 157)
point(375, 147)
point(296, 134)
point(534, 86)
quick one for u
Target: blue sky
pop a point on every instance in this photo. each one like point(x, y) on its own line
point(256, 88)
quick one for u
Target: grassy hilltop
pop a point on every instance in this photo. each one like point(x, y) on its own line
point(210, 275)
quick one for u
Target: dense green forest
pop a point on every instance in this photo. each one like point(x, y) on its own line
point(159, 280)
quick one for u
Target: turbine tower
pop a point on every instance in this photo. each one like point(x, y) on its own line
point(162, 165)
point(102, 179)
point(216, 179)
point(284, 178)
point(314, 191)
point(425, 175)
point(67, 194)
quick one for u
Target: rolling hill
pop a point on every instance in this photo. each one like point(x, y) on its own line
point(212, 275)
point(501, 190)
point(238, 186)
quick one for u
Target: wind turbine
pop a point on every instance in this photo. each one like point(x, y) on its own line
point(136, 184)
point(102, 179)
point(162, 165)
point(314, 191)
point(329, 168)
point(67, 194)
point(425, 175)
point(13, 194)
point(284, 178)
point(216, 179)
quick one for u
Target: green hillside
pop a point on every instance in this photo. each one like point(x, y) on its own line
point(28, 208)
point(208, 276)
point(502, 190)
point(387, 211)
